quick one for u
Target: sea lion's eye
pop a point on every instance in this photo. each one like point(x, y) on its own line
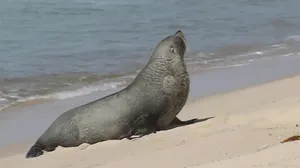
point(172, 49)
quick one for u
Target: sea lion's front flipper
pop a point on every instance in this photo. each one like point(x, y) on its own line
point(177, 122)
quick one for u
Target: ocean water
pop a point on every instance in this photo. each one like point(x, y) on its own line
point(61, 49)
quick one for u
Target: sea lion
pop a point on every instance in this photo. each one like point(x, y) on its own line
point(149, 104)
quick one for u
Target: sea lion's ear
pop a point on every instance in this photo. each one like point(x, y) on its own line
point(179, 34)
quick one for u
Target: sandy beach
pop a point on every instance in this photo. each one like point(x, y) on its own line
point(243, 128)
point(243, 59)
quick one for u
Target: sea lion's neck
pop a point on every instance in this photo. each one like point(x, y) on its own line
point(158, 68)
point(153, 72)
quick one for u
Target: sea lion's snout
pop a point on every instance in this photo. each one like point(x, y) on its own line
point(180, 34)
point(180, 42)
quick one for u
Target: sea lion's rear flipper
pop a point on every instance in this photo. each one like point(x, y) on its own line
point(35, 151)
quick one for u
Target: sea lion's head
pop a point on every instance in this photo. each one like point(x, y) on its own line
point(172, 46)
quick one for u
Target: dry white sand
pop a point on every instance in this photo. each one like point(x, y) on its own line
point(246, 131)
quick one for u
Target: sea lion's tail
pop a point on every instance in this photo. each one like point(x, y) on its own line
point(35, 151)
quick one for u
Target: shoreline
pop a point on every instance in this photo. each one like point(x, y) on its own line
point(248, 127)
point(195, 68)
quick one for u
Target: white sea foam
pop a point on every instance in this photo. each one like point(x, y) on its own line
point(64, 94)
point(295, 38)
point(278, 46)
point(85, 90)
point(258, 53)
point(227, 66)
point(289, 54)
point(2, 99)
